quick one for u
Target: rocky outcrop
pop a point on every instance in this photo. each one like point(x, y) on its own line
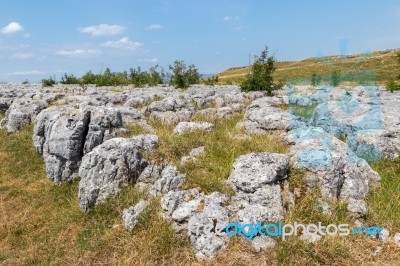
point(171, 109)
point(78, 137)
point(21, 113)
point(203, 216)
point(256, 180)
point(105, 170)
point(333, 168)
point(170, 179)
point(60, 136)
point(264, 115)
point(205, 227)
point(63, 135)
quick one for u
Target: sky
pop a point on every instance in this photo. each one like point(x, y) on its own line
point(41, 38)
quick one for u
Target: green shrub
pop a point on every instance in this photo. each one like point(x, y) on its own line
point(183, 76)
point(260, 78)
point(335, 79)
point(392, 86)
point(69, 79)
point(138, 77)
point(315, 80)
point(48, 82)
point(211, 80)
point(156, 75)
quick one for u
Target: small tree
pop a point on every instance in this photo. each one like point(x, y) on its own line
point(182, 76)
point(192, 75)
point(156, 76)
point(260, 77)
point(138, 77)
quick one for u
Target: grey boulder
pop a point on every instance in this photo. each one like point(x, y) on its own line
point(170, 179)
point(21, 113)
point(256, 179)
point(206, 228)
point(264, 115)
point(332, 167)
point(105, 170)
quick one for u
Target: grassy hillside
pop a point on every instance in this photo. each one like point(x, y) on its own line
point(383, 63)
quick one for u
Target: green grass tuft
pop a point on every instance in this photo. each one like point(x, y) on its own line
point(303, 111)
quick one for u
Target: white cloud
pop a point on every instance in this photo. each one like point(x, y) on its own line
point(78, 53)
point(25, 73)
point(149, 60)
point(154, 27)
point(102, 30)
point(12, 28)
point(240, 28)
point(23, 56)
point(230, 18)
point(124, 43)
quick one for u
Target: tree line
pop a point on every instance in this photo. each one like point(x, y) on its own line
point(180, 75)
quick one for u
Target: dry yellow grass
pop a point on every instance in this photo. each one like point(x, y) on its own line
point(383, 63)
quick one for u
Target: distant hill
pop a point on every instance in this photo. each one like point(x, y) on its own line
point(383, 63)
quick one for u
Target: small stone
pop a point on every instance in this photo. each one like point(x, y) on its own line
point(297, 192)
point(130, 216)
point(324, 207)
point(376, 251)
point(260, 243)
point(187, 127)
point(358, 208)
point(384, 236)
point(310, 237)
point(192, 155)
point(396, 239)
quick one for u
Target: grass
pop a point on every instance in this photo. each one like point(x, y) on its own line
point(211, 170)
point(382, 63)
point(303, 111)
point(385, 201)
point(41, 224)
point(133, 130)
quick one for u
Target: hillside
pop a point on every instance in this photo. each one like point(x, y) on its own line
point(383, 63)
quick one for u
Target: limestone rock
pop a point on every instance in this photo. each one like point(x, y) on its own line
point(106, 169)
point(187, 127)
point(131, 215)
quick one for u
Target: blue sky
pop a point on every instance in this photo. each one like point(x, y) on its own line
point(43, 38)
